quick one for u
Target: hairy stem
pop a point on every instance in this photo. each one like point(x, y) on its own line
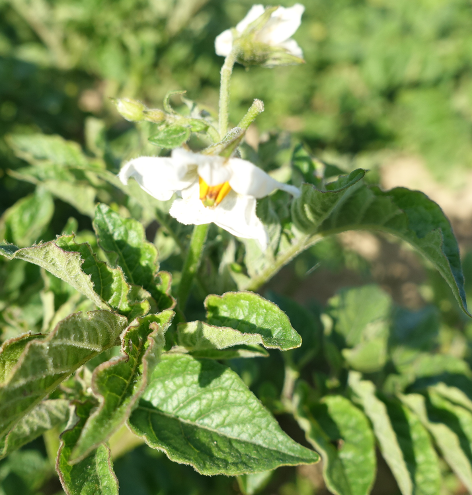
point(226, 72)
point(192, 262)
point(256, 108)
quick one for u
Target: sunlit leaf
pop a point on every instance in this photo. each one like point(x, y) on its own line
point(342, 434)
point(201, 413)
point(45, 363)
point(92, 476)
point(252, 314)
point(118, 383)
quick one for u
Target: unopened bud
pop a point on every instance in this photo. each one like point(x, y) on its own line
point(132, 110)
point(154, 115)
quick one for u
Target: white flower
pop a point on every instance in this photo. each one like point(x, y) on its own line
point(276, 32)
point(211, 188)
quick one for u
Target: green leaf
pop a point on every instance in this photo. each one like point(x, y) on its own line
point(444, 424)
point(342, 434)
point(43, 417)
point(303, 167)
point(315, 205)
point(77, 265)
point(66, 184)
point(92, 476)
point(413, 332)
point(460, 394)
point(41, 147)
point(306, 324)
point(199, 412)
point(45, 363)
point(56, 163)
point(11, 351)
point(124, 242)
point(410, 215)
point(354, 326)
point(171, 136)
point(200, 339)
point(417, 448)
point(365, 332)
point(252, 314)
point(118, 383)
point(25, 221)
point(377, 412)
point(162, 295)
point(250, 484)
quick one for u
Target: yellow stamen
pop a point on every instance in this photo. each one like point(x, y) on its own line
point(213, 195)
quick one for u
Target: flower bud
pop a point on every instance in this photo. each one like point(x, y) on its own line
point(154, 115)
point(132, 110)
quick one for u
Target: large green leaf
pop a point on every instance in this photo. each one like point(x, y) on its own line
point(118, 384)
point(315, 205)
point(25, 221)
point(376, 411)
point(446, 424)
point(201, 413)
point(43, 417)
point(417, 448)
point(410, 215)
point(77, 265)
point(125, 245)
point(92, 476)
point(44, 363)
point(342, 434)
point(252, 314)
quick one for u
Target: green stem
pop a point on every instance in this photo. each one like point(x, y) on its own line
point(226, 72)
point(256, 108)
point(192, 262)
point(285, 257)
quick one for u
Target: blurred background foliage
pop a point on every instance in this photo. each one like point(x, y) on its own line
point(383, 79)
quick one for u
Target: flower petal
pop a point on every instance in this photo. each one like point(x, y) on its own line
point(214, 170)
point(249, 180)
point(292, 47)
point(224, 43)
point(255, 12)
point(236, 214)
point(282, 24)
point(159, 177)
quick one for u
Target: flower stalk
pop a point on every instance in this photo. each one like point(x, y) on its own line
point(225, 85)
point(192, 263)
point(255, 109)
